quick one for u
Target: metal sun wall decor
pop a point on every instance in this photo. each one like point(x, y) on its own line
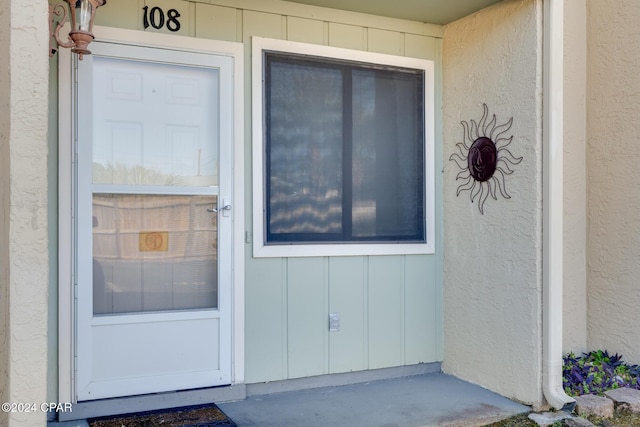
point(484, 158)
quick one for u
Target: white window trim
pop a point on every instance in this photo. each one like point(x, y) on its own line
point(336, 249)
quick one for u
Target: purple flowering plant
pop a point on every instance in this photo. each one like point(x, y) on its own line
point(596, 372)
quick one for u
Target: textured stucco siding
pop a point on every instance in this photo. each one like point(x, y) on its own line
point(614, 193)
point(492, 262)
point(5, 88)
point(23, 221)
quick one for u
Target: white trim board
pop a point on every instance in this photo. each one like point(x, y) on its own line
point(260, 249)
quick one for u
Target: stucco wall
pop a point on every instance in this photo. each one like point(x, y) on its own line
point(614, 195)
point(4, 207)
point(24, 277)
point(575, 178)
point(492, 265)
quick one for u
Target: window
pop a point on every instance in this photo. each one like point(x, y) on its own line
point(344, 145)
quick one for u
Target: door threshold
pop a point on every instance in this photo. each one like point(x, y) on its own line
point(153, 402)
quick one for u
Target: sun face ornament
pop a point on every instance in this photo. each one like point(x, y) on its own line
point(484, 158)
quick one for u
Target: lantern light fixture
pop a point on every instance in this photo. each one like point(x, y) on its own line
point(82, 13)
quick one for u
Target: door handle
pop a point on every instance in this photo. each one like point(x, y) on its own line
point(218, 209)
point(225, 208)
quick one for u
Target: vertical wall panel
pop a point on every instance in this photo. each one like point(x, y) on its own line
point(307, 316)
point(265, 327)
point(386, 311)
point(121, 14)
point(347, 298)
point(420, 302)
point(265, 278)
point(261, 24)
point(347, 36)
point(305, 30)
point(420, 46)
point(383, 41)
point(215, 22)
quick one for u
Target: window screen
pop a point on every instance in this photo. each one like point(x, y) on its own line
point(344, 152)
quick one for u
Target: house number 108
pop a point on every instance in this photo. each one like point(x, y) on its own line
point(156, 18)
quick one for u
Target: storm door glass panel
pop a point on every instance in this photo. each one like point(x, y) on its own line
point(155, 174)
point(388, 156)
point(304, 135)
point(153, 253)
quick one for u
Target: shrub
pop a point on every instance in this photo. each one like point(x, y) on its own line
point(596, 372)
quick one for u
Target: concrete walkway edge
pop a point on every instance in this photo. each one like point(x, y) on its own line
point(433, 399)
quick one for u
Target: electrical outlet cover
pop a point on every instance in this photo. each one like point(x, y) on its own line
point(334, 322)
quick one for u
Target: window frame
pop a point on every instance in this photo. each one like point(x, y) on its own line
point(332, 248)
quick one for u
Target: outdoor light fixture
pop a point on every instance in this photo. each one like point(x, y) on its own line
point(82, 13)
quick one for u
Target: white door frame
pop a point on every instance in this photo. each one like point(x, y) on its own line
point(66, 165)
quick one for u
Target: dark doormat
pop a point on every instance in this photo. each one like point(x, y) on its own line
point(208, 415)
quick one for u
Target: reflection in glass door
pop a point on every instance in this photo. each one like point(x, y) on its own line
point(153, 253)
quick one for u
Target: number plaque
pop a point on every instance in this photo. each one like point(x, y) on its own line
point(156, 18)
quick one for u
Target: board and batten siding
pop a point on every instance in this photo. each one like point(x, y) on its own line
point(390, 307)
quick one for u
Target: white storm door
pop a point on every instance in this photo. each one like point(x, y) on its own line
point(153, 221)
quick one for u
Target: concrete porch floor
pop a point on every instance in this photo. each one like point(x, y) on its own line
point(431, 399)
